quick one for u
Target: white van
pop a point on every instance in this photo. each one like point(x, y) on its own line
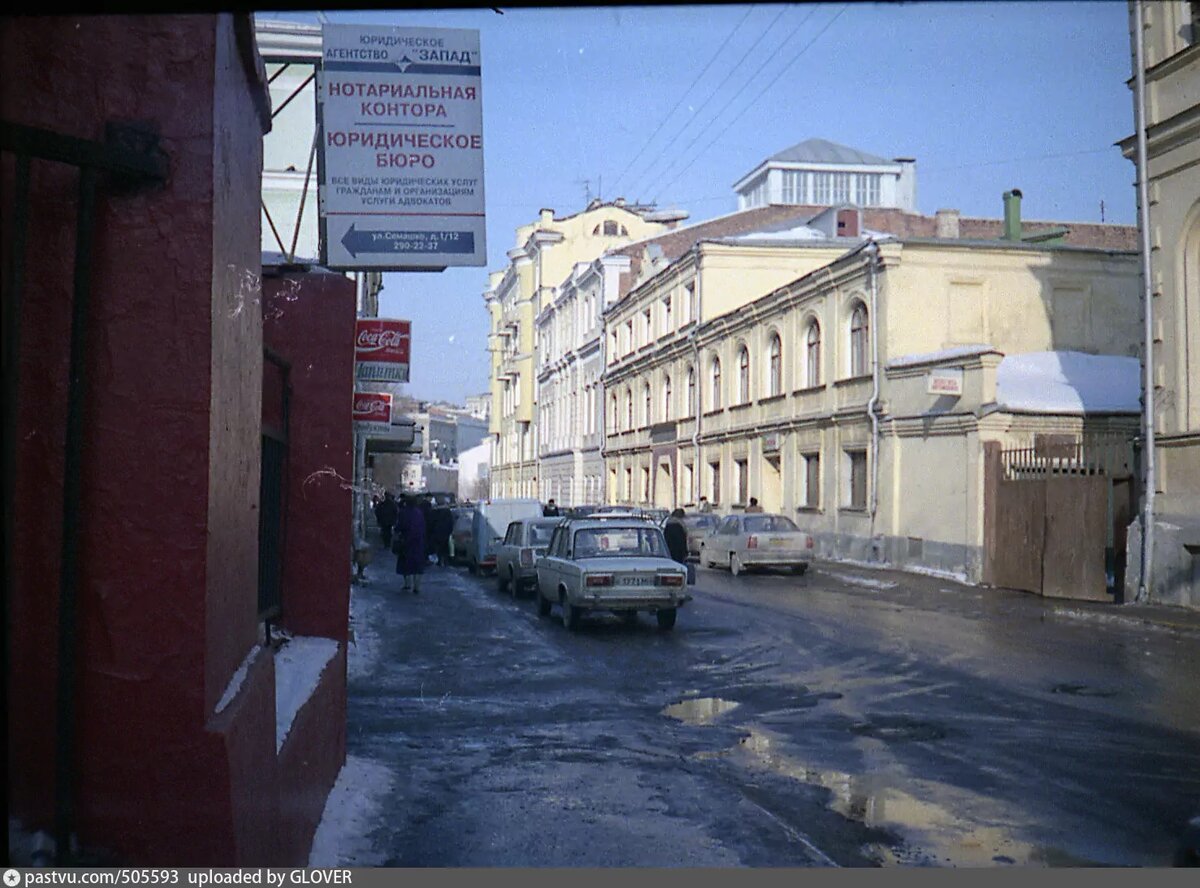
point(491, 520)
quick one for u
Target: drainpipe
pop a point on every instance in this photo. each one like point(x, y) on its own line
point(1012, 215)
point(695, 336)
point(871, 404)
point(1139, 102)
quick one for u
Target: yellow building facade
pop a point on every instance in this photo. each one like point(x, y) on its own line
point(545, 254)
point(1171, 33)
point(800, 374)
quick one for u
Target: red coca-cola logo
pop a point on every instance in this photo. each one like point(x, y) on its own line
point(382, 339)
point(371, 405)
point(375, 339)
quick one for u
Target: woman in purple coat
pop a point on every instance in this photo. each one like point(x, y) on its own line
point(409, 544)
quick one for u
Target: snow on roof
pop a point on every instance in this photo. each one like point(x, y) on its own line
point(947, 354)
point(1066, 382)
point(798, 232)
point(298, 668)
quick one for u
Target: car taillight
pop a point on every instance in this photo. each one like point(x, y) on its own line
point(670, 580)
point(526, 557)
point(810, 542)
point(752, 543)
point(599, 580)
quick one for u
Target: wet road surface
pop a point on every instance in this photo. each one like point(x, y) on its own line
point(849, 717)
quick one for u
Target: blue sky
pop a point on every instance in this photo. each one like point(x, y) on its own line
point(986, 96)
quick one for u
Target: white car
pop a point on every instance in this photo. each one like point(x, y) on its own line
point(742, 542)
point(516, 558)
point(613, 564)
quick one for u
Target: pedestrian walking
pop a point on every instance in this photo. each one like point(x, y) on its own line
point(441, 525)
point(385, 517)
point(409, 544)
point(754, 506)
point(676, 534)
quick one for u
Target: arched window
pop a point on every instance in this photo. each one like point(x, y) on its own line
point(646, 398)
point(860, 335)
point(666, 402)
point(715, 380)
point(691, 390)
point(743, 390)
point(812, 354)
point(775, 366)
point(611, 228)
point(628, 409)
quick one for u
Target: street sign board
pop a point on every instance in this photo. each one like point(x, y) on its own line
point(373, 412)
point(945, 381)
point(400, 114)
point(381, 349)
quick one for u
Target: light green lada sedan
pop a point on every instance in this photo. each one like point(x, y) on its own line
point(615, 564)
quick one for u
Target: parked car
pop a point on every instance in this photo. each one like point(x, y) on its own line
point(699, 525)
point(491, 520)
point(516, 558)
point(617, 565)
point(461, 534)
point(742, 542)
point(580, 511)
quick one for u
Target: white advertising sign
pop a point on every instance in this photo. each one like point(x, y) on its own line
point(400, 112)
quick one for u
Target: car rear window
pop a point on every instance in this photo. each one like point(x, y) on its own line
point(694, 521)
point(609, 542)
point(769, 524)
point(539, 534)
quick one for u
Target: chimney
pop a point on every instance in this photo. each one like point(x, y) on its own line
point(1012, 215)
point(947, 223)
point(547, 216)
point(848, 223)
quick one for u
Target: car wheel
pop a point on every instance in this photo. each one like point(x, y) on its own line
point(800, 569)
point(735, 565)
point(472, 567)
point(571, 615)
point(514, 587)
point(543, 603)
point(501, 582)
point(666, 618)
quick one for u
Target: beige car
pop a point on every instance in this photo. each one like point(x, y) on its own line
point(744, 542)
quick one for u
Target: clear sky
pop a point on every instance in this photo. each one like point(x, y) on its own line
point(676, 103)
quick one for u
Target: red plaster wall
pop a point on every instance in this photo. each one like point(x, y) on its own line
point(309, 320)
point(168, 553)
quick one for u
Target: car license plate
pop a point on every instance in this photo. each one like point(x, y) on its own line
point(635, 581)
point(779, 541)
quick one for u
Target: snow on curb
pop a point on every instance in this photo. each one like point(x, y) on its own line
point(351, 813)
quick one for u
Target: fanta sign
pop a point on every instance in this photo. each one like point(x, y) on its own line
point(372, 412)
point(381, 349)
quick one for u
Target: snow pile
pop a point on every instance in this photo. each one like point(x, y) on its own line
point(1068, 383)
point(235, 683)
point(351, 813)
point(298, 668)
point(861, 581)
point(949, 354)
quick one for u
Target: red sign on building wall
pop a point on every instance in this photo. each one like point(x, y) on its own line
point(372, 412)
point(381, 348)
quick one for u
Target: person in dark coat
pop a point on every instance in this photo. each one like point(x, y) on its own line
point(409, 544)
point(441, 524)
point(676, 535)
point(385, 516)
point(550, 510)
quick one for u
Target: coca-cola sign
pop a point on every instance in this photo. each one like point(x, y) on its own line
point(381, 348)
point(373, 411)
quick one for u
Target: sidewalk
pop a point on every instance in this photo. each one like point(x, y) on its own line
point(1178, 619)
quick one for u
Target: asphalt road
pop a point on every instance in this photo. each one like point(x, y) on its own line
point(848, 718)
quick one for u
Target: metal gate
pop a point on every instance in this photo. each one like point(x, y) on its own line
point(1055, 516)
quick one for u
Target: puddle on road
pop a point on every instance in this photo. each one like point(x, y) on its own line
point(932, 833)
point(701, 711)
